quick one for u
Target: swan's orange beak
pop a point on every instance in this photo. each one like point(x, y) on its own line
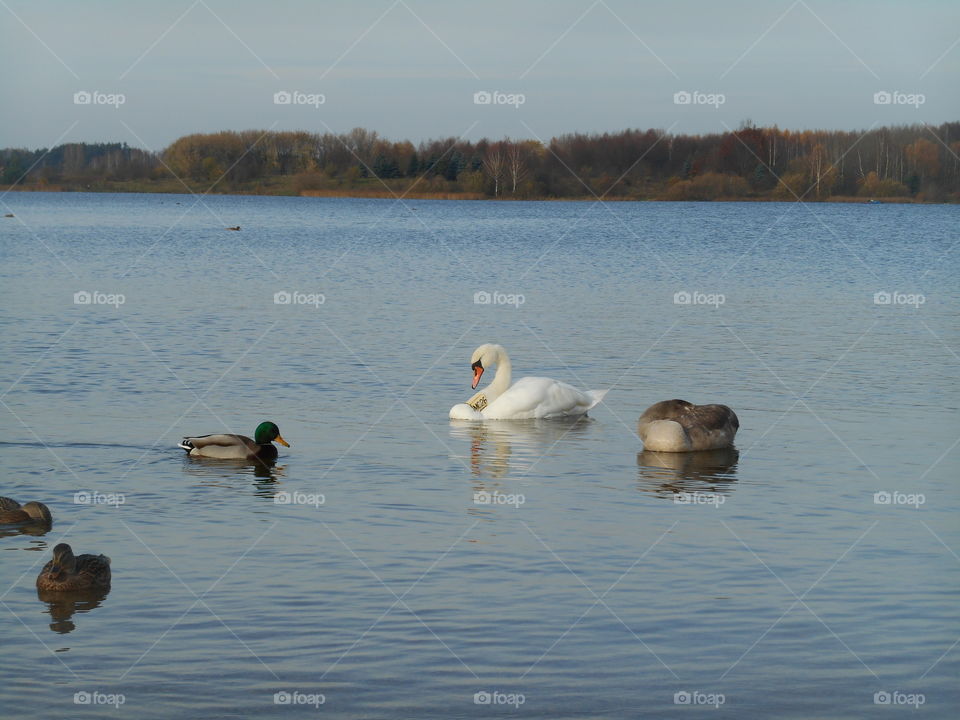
point(477, 373)
point(280, 440)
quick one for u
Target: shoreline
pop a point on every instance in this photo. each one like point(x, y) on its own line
point(385, 194)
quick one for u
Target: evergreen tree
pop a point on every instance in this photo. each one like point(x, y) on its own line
point(454, 166)
point(913, 183)
point(385, 167)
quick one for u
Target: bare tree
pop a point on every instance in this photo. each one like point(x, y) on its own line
point(493, 164)
point(516, 163)
point(361, 143)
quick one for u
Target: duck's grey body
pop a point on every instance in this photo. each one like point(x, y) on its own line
point(228, 447)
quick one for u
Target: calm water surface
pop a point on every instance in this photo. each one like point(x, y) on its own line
point(785, 585)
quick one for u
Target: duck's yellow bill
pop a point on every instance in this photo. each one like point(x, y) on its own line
point(280, 440)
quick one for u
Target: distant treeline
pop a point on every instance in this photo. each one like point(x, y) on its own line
point(915, 162)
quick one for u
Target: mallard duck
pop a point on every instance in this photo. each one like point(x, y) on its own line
point(74, 572)
point(13, 512)
point(235, 227)
point(237, 447)
point(679, 426)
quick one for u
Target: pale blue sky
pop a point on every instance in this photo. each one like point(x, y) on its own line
point(410, 68)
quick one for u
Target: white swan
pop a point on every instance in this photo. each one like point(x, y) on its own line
point(528, 398)
point(679, 426)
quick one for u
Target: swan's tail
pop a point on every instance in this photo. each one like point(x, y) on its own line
point(596, 397)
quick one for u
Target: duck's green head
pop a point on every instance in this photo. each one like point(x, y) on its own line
point(268, 432)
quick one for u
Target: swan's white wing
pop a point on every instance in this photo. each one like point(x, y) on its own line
point(537, 397)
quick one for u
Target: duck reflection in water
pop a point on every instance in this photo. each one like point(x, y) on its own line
point(666, 474)
point(495, 445)
point(214, 469)
point(37, 528)
point(63, 605)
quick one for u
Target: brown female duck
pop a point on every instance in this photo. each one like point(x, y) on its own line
point(33, 512)
point(74, 572)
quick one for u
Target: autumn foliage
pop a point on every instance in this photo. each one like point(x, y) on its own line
point(915, 162)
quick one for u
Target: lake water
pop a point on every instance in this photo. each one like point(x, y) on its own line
point(781, 585)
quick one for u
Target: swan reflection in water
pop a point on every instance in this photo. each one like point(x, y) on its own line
point(667, 474)
point(496, 445)
point(63, 605)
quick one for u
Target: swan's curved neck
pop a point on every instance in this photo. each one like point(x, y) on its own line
point(501, 380)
